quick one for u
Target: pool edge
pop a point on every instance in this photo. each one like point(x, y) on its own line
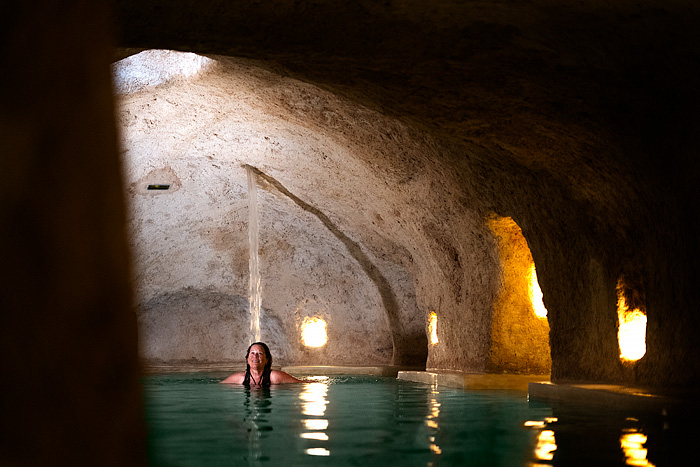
point(379, 370)
point(614, 396)
point(475, 381)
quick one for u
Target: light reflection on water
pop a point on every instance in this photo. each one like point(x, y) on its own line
point(546, 445)
point(359, 420)
point(431, 421)
point(632, 444)
point(313, 404)
point(546, 440)
point(604, 436)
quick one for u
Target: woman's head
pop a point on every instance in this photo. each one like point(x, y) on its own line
point(259, 351)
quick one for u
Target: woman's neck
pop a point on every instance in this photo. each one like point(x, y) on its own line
point(257, 375)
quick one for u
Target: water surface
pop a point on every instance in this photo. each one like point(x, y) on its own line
point(362, 420)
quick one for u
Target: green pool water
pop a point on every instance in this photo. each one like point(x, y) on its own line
point(362, 420)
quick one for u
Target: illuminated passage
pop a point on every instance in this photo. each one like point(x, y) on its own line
point(432, 328)
point(520, 326)
point(632, 323)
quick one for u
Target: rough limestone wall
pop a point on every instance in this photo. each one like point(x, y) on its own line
point(361, 223)
point(191, 241)
point(576, 119)
point(71, 389)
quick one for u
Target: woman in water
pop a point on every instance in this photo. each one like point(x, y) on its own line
point(259, 370)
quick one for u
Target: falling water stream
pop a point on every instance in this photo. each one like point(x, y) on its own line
point(254, 298)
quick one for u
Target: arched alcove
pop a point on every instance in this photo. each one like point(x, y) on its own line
point(519, 329)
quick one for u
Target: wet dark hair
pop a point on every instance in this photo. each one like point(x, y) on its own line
point(266, 371)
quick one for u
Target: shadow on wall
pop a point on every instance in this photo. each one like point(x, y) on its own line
point(172, 334)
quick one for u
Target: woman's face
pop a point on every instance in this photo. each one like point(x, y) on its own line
point(256, 356)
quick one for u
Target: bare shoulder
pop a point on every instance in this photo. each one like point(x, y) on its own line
point(280, 377)
point(236, 378)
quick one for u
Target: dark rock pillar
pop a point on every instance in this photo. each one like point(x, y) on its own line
point(71, 392)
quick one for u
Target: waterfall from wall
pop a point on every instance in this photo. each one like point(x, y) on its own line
point(254, 295)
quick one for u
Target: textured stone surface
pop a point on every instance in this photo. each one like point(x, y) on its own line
point(577, 120)
point(341, 237)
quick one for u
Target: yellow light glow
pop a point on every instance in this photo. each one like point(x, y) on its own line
point(536, 295)
point(432, 328)
point(534, 424)
point(316, 378)
point(318, 452)
point(313, 332)
point(632, 330)
point(539, 423)
point(313, 403)
point(314, 399)
point(431, 420)
point(546, 445)
point(316, 424)
point(315, 435)
point(632, 445)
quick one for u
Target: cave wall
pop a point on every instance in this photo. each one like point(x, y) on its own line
point(576, 120)
point(357, 224)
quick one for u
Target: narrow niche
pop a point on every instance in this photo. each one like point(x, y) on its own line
point(312, 319)
point(519, 328)
point(631, 319)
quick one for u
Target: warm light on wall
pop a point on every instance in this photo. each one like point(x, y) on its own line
point(519, 324)
point(632, 330)
point(631, 333)
point(313, 332)
point(432, 328)
point(536, 294)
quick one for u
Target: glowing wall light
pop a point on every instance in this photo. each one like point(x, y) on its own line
point(313, 332)
point(536, 294)
point(432, 328)
point(632, 327)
